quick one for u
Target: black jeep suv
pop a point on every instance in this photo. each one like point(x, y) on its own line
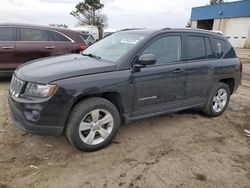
point(127, 76)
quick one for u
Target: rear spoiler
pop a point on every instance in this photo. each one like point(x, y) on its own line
point(218, 32)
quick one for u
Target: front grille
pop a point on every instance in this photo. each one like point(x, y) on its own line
point(16, 86)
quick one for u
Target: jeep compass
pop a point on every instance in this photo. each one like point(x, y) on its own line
point(129, 75)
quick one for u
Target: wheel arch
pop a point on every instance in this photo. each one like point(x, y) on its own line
point(113, 97)
point(230, 82)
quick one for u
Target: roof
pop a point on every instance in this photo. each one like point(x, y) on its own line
point(36, 26)
point(225, 10)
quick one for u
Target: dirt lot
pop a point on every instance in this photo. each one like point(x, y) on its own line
point(185, 149)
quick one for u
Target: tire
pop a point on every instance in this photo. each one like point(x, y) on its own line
point(87, 129)
point(210, 107)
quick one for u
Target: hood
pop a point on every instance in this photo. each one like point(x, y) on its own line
point(56, 68)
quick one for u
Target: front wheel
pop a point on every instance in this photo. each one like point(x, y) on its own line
point(218, 100)
point(93, 124)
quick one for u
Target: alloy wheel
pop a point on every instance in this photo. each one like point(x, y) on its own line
point(96, 126)
point(220, 100)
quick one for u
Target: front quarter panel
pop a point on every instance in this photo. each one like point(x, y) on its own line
point(115, 81)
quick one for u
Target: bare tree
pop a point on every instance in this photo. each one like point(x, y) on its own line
point(89, 13)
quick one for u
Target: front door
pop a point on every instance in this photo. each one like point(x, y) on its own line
point(161, 87)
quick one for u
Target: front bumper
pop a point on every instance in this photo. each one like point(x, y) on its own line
point(50, 121)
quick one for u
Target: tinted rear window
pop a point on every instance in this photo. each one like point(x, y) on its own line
point(27, 34)
point(196, 48)
point(6, 33)
point(223, 48)
point(220, 45)
point(55, 36)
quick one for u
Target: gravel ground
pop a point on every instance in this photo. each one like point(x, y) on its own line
point(185, 149)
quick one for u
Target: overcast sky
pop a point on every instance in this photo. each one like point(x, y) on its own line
point(121, 13)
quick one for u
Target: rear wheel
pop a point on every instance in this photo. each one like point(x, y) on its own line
point(93, 124)
point(218, 100)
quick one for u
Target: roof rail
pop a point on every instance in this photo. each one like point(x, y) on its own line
point(198, 29)
point(128, 29)
point(166, 28)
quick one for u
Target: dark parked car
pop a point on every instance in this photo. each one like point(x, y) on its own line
point(22, 43)
point(127, 76)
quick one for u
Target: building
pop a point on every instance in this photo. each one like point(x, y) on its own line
point(232, 18)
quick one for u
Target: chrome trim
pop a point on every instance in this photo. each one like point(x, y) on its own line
point(7, 47)
point(50, 47)
point(63, 35)
point(16, 86)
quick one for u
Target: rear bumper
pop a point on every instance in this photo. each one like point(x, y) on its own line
point(19, 118)
point(237, 82)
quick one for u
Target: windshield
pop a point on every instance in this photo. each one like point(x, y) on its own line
point(115, 46)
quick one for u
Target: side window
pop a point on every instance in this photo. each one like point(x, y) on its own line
point(7, 33)
point(209, 49)
point(220, 46)
point(33, 35)
point(224, 49)
point(196, 48)
point(166, 49)
point(58, 37)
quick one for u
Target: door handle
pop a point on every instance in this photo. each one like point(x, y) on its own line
point(50, 47)
point(7, 47)
point(178, 71)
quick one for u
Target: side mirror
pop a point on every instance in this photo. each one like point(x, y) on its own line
point(146, 59)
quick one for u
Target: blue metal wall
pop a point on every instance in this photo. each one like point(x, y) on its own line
point(225, 10)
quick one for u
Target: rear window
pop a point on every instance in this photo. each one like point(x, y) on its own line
point(7, 33)
point(27, 34)
point(196, 48)
point(223, 48)
point(220, 45)
point(55, 36)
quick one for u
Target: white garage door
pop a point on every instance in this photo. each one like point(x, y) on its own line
point(237, 31)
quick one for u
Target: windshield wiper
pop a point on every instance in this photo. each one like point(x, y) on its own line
point(92, 56)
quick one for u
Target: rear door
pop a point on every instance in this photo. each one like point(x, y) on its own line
point(33, 44)
point(199, 56)
point(62, 43)
point(7, 47)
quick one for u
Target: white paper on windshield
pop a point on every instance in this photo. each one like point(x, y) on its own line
point(129, 41)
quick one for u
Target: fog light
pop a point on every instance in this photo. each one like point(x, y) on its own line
point(35, 115)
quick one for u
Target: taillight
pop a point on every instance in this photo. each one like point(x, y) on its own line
point(241, 66)
point(83, 47)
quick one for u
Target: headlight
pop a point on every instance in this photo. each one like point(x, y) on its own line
point(39, 90)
